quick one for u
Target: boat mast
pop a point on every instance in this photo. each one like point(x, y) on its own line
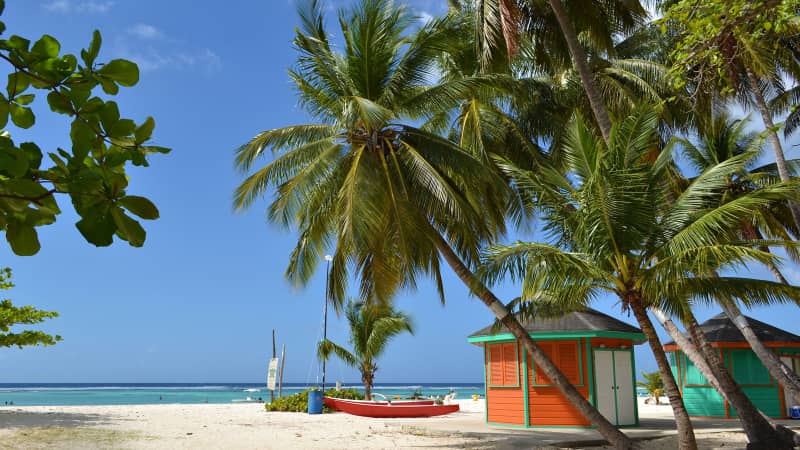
point(328, 258)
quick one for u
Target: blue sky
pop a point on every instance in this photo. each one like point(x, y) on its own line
point(199, 301)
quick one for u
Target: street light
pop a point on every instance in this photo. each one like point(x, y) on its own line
point(328, 258)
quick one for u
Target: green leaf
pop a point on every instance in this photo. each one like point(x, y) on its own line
point(83, 138)
point(47, 46)
point(23, 239)
point(109, 87)
point(109, 115)
point(124, 72)
point(122, 129)
point(97, 229)
point(18, 43)
point(24, 99)
point(33, 152)
point(145, 130)
point(21, 116)
point(94, 49)
point(59, 103)
point(3, 113)
point(140, 206)
point(128, 228)
point(17, 83)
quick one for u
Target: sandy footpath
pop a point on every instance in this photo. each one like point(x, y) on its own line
point(248, 426)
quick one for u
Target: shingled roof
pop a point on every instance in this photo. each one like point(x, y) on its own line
point(721, 329)
point(588, 320)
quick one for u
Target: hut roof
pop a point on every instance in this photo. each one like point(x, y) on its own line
point(589, 320)
point(721, 329)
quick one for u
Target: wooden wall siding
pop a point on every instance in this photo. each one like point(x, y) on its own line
point(703, 401)
point(504, 404)
point(765, 398)
point(547, 406)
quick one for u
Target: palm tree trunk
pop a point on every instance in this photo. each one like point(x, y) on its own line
point(784, 375)
point(579, 59)
point(613, 435)
point(686, 440)
point(772, 135)
point(757, 426)
point(367, 380)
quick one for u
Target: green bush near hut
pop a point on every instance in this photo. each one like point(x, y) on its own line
point(299, 402)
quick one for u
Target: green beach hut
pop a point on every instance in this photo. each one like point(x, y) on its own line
point(594, 351)
point(702, 400)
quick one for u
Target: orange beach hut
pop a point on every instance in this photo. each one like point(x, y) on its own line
point(594, 351)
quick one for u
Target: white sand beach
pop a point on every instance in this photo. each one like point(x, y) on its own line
point(248, 426)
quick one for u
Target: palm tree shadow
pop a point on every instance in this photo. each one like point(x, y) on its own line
point(27, 419)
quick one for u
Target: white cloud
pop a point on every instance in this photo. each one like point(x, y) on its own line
point(69, 6)
point(94, 7)
point(145, 31)
point(150, 59)
point(59, 6)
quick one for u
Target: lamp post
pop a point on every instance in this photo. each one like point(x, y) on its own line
point(328, 258)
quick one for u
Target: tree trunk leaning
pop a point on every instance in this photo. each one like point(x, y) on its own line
point(784, 375)
point(772, 135)
point(579, 60)
point(610, 432)
point(686, 439)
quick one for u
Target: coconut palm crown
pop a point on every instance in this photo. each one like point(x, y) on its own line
point(372, 326)
point(362, 176)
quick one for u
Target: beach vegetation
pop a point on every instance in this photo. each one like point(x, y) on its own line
point(91, 171)
point(653, 384)
point(299, 402)
point(372, 326)
point(15, 316)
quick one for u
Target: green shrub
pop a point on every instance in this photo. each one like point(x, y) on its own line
point(299, 402)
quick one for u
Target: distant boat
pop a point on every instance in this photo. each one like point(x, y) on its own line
point(251, 390)
point(397, 409)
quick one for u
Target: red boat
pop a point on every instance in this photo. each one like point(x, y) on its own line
point(397, 409)
point(332, 402)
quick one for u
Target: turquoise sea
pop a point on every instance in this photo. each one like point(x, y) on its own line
point(22, 394)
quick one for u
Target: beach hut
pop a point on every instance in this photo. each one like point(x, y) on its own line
point(594, 351)
point(702, 400)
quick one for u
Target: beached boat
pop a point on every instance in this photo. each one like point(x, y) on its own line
point(333, 403)
point(395, 409)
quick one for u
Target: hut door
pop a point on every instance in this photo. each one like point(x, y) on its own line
point(614, 385)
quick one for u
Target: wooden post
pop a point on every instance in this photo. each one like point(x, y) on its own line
point(272, 392)
point(280, 371)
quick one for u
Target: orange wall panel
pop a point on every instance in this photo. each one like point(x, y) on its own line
point(505, 404)
point(547, 405)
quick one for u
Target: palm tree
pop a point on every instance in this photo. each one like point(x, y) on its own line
point(738, 54)
point(595, 22)
point(616, 229)
point(392, 197)
point(653, 384)
point(372, 326)
point(722, 140)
